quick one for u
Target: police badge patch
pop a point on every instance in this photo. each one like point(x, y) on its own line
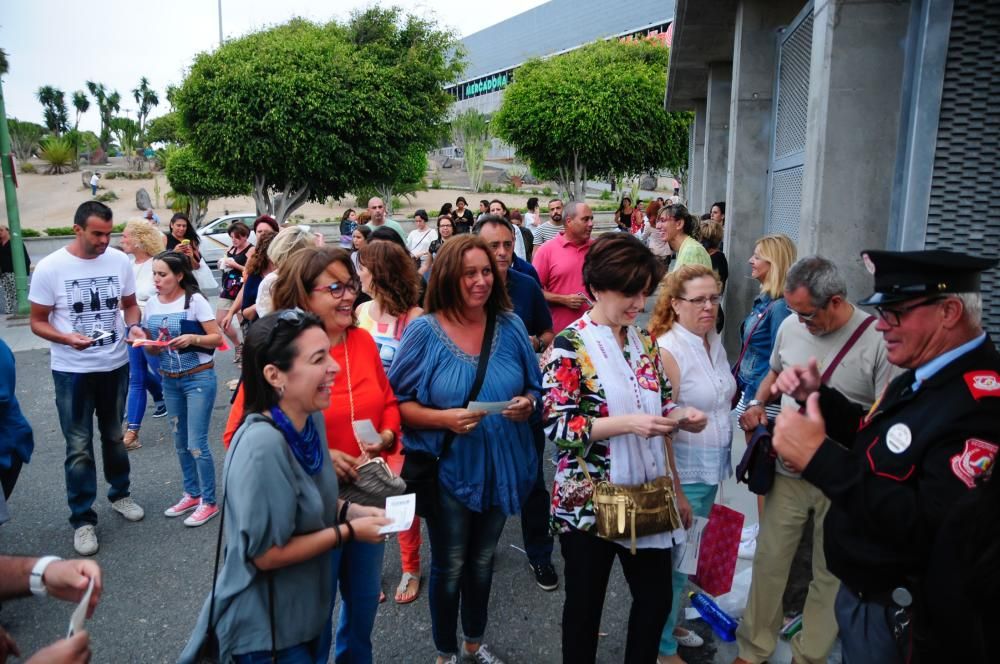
point(974, 461)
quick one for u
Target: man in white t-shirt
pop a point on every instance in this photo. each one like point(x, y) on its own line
point(76, 295)
point(821, 325)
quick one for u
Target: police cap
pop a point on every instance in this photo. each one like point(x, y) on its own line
point(904, 275)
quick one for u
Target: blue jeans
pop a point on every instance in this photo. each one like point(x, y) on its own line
point(78, 398)
point(462, 547)
point(190, 400)
point(357, 572)
point(300, 654)
point(144, 374)
point(702, 497)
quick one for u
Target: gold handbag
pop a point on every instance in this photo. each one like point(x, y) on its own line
point(629, 511)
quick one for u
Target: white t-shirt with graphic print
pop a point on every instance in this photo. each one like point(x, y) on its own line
point(85, 295)
point(162, 320)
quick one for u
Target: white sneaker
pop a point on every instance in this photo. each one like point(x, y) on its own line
point(748, 549)
point(689, 639)
point(750, 532)
point(85, 540)
point(128, 508)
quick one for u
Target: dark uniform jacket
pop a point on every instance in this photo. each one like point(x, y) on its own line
point(896, 472)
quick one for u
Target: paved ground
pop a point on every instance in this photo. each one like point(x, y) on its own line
point(157, 572)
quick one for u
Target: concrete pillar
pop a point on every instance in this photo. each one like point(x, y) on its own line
point(751, 127)
point(853, 125)
point(696, 170)
point(720, 76)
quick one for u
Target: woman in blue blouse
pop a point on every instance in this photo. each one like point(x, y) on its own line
point(491, 466)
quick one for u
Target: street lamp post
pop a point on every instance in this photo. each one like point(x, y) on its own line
point(10, 195)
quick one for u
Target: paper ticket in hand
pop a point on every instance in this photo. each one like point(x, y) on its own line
point(366, 432)
point(401, 510)
point(80, 612)
point(491, 407)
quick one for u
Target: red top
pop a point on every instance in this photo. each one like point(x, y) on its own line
point(559, 264)
point(373, 396)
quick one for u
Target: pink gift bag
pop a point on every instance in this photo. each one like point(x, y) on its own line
point(720, 545)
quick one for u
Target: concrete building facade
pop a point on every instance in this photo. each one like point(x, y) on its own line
point(845, 124)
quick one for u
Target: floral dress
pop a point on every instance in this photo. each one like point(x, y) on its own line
point(572, 398)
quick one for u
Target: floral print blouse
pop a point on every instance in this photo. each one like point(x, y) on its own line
point(572, 398)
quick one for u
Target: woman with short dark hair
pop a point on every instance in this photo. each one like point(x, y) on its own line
point(273, 591)
point(487, 463)
point(607, 407)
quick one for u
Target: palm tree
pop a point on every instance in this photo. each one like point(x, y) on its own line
point(108, 105)
point(53, 102)
point(146, 97)
point(81, 104)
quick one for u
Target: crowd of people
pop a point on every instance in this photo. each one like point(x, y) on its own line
point(361, 369)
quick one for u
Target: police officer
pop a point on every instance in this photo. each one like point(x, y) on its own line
point(893, 473)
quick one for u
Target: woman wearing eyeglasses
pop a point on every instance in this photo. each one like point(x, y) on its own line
point(323, 281)
point(283, 516)
point(683, 324)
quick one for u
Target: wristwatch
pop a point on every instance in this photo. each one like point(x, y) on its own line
point(35, 583)
point(754, 402)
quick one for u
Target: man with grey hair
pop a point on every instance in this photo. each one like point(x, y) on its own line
point(828, 332)
point(894, 473)
point(559, 263)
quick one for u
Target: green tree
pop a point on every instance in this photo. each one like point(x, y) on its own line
point(471, 132)
point(199, 182)
point(675, 147)
point(306, 111)
point(81, 104)
point(409, 178)
point(25, 138)
point(59, 153)
point(147, 99)
point(53, 102)
point(594, 112)
point(126, 132)
point(164, 129)
point(108, 103)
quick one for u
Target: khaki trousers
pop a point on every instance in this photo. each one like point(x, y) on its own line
point(786, 509)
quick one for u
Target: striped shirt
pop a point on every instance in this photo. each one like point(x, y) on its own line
point(546, 232)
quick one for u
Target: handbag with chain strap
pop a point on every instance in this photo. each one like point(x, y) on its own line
point(375, 481)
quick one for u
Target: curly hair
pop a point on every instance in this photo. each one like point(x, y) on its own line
point(259, 261)
point(145, 236)
point(301, 270)
point(395, 281)
point(673, 286)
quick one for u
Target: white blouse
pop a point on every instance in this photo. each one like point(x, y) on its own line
point(144, 286)
point(708, 385)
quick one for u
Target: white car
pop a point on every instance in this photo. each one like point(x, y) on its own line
point(214, 235)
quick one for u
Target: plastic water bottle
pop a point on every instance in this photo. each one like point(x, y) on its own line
point(721, 622)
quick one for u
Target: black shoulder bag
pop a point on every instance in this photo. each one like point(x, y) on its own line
point(209, 652)
point(420, 469)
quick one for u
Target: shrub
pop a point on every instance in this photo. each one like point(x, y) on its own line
point(435, 182)
point(28, 167)
point(118, 228)
point(59, 154)
point(487, 188)
point(111, 175)
point(107, 197)
point(605, 195)
point(547, 191)
point(30, 232)
point(59, 230)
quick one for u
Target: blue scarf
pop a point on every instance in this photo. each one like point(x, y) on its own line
point(305, 445)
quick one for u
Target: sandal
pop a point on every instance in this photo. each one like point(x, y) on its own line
point(238, 354)
point(404, 586)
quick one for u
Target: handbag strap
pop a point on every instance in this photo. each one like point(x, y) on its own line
point(477, 383)
point(746, 342)
point(666, 463)
point(846, 348)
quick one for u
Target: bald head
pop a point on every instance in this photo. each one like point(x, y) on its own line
point(376, 208)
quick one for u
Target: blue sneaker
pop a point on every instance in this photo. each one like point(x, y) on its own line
point(161, 410)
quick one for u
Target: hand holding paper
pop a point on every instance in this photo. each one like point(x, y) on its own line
point(401, 510)
point(80, 613)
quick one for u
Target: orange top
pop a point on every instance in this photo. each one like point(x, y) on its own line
point(373, 396)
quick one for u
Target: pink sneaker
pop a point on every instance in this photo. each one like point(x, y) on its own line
point(183, 506)
point(204, 513)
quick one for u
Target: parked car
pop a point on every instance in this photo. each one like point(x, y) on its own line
point(215, 240)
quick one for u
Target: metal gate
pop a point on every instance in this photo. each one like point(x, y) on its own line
point(788, 142)
point(963, 190)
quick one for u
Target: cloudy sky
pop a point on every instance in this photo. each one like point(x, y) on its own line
point(115, 42)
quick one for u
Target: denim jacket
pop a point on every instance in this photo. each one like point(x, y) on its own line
point(757, 359)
